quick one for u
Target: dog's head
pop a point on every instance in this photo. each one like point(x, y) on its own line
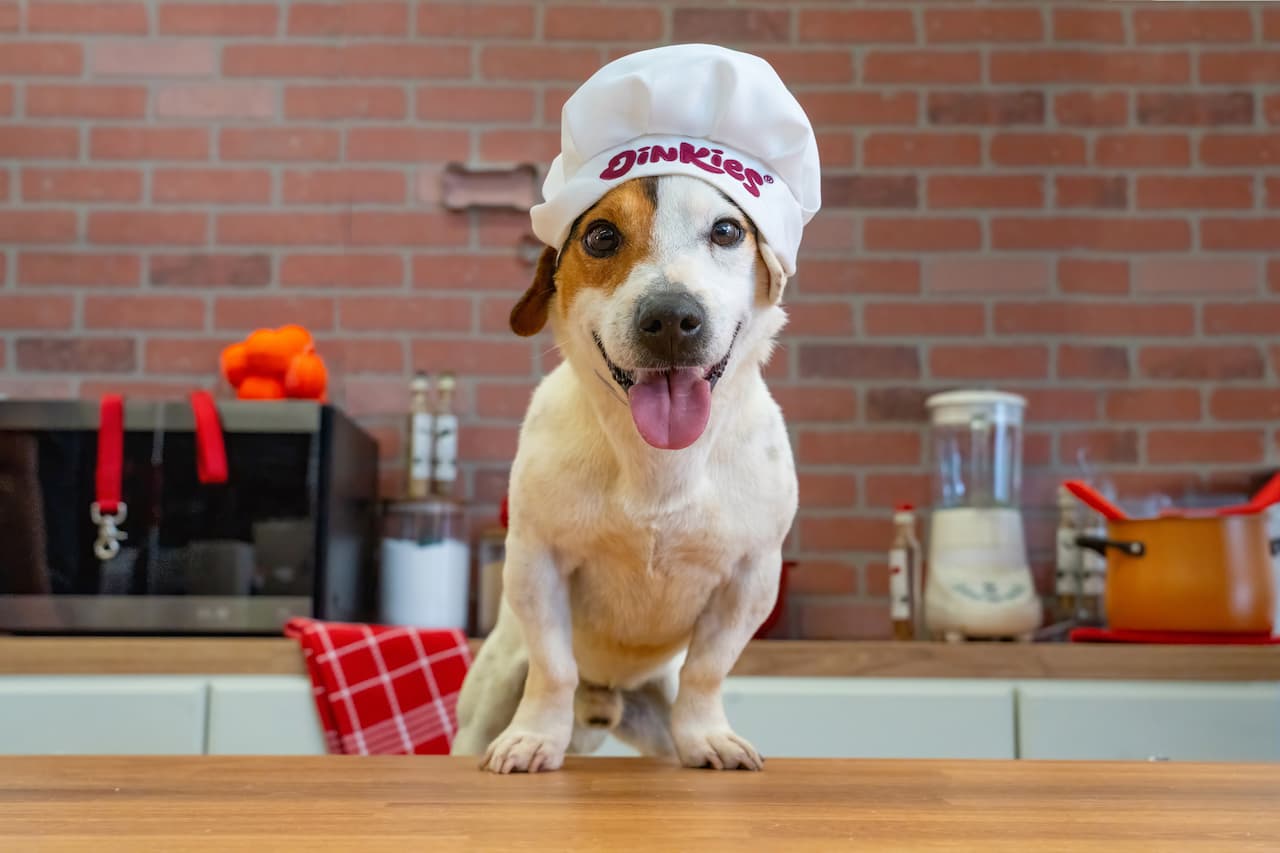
point(664, 289)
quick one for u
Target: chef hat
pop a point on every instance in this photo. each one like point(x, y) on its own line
point(691, 109)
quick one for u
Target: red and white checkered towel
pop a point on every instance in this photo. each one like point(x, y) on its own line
point(384, 690)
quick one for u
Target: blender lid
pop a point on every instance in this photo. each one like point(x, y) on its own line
point(961, 406)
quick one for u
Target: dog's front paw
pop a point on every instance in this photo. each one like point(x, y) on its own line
point(719, 749)
point(523, 751)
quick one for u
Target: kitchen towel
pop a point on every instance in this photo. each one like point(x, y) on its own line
point(383, 690)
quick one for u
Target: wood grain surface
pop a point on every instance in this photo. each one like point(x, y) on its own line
point(340, 803)
point(277, 656)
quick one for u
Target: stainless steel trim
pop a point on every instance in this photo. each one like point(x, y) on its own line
point(147, 613)
point(278, 416)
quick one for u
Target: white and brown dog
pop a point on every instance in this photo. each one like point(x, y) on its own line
point(652, 489)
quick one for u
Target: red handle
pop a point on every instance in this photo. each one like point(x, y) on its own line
point(211, 451)
point(1096, 501)
point(110, 469)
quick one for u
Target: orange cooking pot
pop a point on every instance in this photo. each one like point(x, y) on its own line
point(1194, 573)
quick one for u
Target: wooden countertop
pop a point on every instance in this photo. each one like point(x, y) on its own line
point(368, 804)
point(275, 656)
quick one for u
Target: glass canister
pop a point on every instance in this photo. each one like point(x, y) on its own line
point(492, 549)
point(426, 565)
point(977, 449)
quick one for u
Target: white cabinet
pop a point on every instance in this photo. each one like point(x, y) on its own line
point(1138, 721)
point(122, 715)
point(263, 715)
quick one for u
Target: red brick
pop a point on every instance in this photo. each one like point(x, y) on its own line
point(1245, 404)
point(1240, 66)
point(469, 356)
point(37, 226)
point(1109, 235)
point(627, 23)
point(217, 19)
point(1093, 362)
point(1102, 192)
point(820, 318)
point(187, 356)
point(1244, 234)
point(466, 104)
point(282, 60)
point(81, 185)
point(345, 102)
point(891, 490)
point(828, 490)
point(922, 66)
point(350, 18)
point(138, 389)
point(116, 18)
point(79, 269)
point(10, 16)
point(209, 270)
point(40, 143)
point(988, 362)
point(1271, 189)
point(282, 228)
point(216, 101)
point(41, 59)
point(922, 149)
point(983, 26)
point(538, 62)
point(255, 312)
point(1115, 67)
point(1206, 363)
point(966, 274)
point(6, 99)
point(809, 65)
point(814, 577)
point(924, 235)
point(517, 145)
point(1087, 319)
point(837, 148)
point(489, 443)
point(850, 619)
point(406, 144)
point(36, 312)
point(502, 399)
point(1038, 149)
point(344, 186)
point(279, 144)
point(1240, 149)
point(1242, 318)
point(834, 232)
point(1198, 25)
point(364, 355)
point(1153, 404)
point(342, 270)
point(859, 447)
point(1106, 446)
point(859, 276)
point(816, 403)
point(76, 355)
point(1100, 26)
point(473, 20)
point(1271, 24)
point(211, 186)
point(405, 313)
point(827, 107)
point(985, 191)
point(857, 26)
point(1103, 278)
point(1194, 275)
point(1183, 446)
point(927, 320)
point(997, 108)
point(1195, 108)
point(148, 143)
point(1142, 150)
point(1273, 276)
point(883, 191)
point(408, 229)
point(858, 361)
point(127, 313)
point(151, 59)
point(897, 403)
point(467, 272)
point(499, 227)
point(1056, 405)
point(147, 228)
point(737, 25)
point(1091, 109)
point(1196, 193)
point(103, 102)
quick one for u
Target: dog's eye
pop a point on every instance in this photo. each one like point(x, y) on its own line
point(726, 233)
point(601, 240)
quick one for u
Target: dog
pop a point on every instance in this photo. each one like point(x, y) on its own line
point(651, 492)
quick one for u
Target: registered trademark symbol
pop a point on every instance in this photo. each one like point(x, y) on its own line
point(768, 179)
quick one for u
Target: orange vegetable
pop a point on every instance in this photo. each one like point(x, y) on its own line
point(260, 388)
point(235, 363)
point(269, 353)
point(307, 377)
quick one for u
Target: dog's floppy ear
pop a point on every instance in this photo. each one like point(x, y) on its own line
point(777, 278)
point(530, 313)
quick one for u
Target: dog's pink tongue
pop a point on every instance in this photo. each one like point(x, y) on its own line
point(671, 409)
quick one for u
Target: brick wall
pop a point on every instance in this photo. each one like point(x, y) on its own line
point(1075, 201)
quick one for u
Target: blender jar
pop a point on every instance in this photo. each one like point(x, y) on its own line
point(977, 449)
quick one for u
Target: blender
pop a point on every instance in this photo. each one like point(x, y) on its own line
point(979, 582)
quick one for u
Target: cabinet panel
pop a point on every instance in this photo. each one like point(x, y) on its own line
point(1132, 721)
point(263, 715)
point(84, 715)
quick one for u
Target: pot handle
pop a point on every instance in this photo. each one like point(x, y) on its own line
point(1100, 545)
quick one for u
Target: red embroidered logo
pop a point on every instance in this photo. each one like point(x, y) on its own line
point(707, 159)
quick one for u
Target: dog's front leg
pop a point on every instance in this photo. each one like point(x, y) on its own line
point(538, 594)
point(699, 726)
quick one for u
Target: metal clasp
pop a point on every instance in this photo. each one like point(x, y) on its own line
point(107, 545)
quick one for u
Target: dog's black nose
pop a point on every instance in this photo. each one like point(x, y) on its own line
point(670, 326)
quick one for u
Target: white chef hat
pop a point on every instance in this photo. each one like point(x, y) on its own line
point(690, 109)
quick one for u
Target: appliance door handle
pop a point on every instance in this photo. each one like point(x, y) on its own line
point(1100, 545)
point(1275, 547)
